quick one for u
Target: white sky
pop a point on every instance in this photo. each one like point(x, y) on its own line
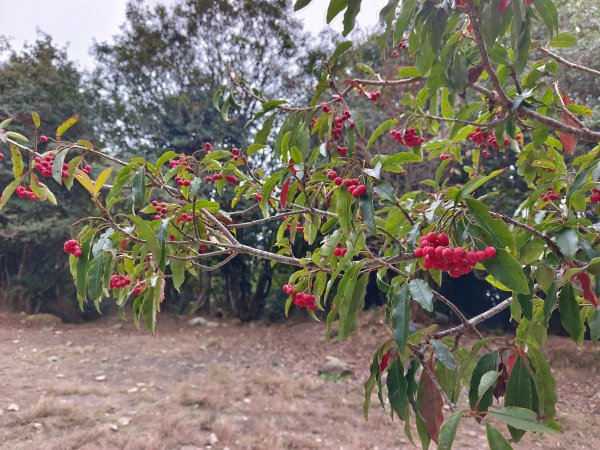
point(79, 22)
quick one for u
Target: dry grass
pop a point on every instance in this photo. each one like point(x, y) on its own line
point(572, 357)
point(64, 389)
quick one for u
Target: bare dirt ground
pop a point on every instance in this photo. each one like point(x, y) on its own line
point(106, 385)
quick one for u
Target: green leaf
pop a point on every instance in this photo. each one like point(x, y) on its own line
point(548, 13)
point(17, 160)
point(263, 134)
point(497, 229)
point(495, 439)
point(8, 191)
point(521, 418)
point(545, 384)
point(487, 381)
point(507, 270)
point(444, 355)
point(367, 211)
point(380, 130)
point(335, 7)
point(564, 39)
point(344, 209)
point(63, 127)
point(36, 119)
point(102, 178)
point(374, 378)
point(569, 313)
point(340, 50)
point(421, 293)
point(96, 276)
point(518, 393)
point(448, 431)
point(397, 389)
point(301, 4)
point(487, 363)
point(16, 136)
point(568, 242)
point(351, 302)
point(138, 188)
point(401, 316)
point(408, 72)
point(404, 18)
point(595, 326)
point(475, 183)
point(490, 21)
point(145, 232)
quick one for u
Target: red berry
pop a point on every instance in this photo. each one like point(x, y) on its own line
point(338, 181)
point(44, 139)
point(490, 252)
point(235, 151)
point(218, 176)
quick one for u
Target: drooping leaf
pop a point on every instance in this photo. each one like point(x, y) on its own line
point(401, 316)
point(421, 293)
point(522, 419)
point(397, 389)
point(487, 363)
point(569, 313)
point(63, 127)
point(431, 404)
point(518, 392)
point(448, 430)
point(495, 439)
point(443, 354)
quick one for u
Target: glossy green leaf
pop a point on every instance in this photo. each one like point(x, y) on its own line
point(487, 363)
point(518, 393)
point(448, 430)
point(507, 270)
point(401, 316)
point(421, 293)
point(569, 313)
point(495, 439)
point(443, 354)
point(522, 419)
point(397, 389)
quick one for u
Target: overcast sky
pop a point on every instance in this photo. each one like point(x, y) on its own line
point(80, 22)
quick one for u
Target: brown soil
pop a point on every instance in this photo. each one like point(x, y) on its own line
point(106, 385)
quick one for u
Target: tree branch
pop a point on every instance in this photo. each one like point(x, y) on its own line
point(569, 64)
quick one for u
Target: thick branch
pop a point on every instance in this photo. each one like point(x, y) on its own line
point(475, 320)
point(584, 134)
point(485, 60)
point(569, 64)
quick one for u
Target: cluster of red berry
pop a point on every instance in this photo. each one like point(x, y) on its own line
point(373, 96)
point(235, 152)
point(72, 247)
point(25, 192)
point(138, 288)
point(352, 184)
point(160, 208)
point(184, 218)
point(340, 250)
point(484, 138)
point(232, 179)
point(119, 281)
point(301, 299)
point(182, 162)
point(595, 197)
point(44, 166)
point(299, 226)
point(549, 196)
point(182, 182)
point(408, 137)
point(215, 177)
point(403, 44)
point(456, 261)
point(258, 197)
